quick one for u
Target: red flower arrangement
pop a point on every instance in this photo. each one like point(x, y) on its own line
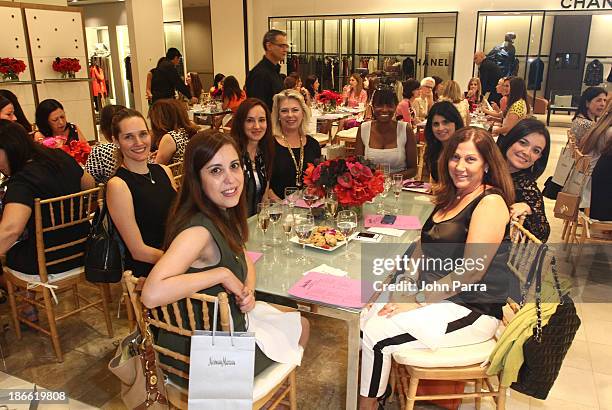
point(76, 149)
point(66, 65)
point(10, 68)
point(353, 182)
point(329, 97)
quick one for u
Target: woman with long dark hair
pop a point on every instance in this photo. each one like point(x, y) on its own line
point(217, 88)
point(517, 107)
point(252, 130)
point(17, 110)
point(205, 250)
point(526, 148)
point(405, 109)
point(51, 122)
point(592, 104)
point(442, 122)
point(171, 129)
point(312, 86)
point(232, 94)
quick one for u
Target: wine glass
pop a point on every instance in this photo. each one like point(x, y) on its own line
point(384, 168)
point(303, 224)
point(386, 187)
point(263, 221)
point(287, 224)
point(291, 195)
point(310, 196)
point(331, 204)
point(398, 180)
point(347, 224)
point(276, 212)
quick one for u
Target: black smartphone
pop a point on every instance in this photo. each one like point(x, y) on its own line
point(388, 219)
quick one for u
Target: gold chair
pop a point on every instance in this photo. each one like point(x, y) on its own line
point(275, 383)
point(62, 213)
point(420, 160)
point(593, 231)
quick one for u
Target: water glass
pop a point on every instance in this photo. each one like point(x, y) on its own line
point(310, 196)
point(347, 224)
point(276, 213)
point(386, 187)
point(291, 195)
point(398, 180)
point(287, 224)
point(303, 224)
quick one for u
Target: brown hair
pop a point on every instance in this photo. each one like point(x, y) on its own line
point(232, 223)
point(196, 84)
point(119, 116)
point(266, 143)
point(595, 140)
point(168, 115)
point(498, 175)
point(518, 91)
point(357, 90)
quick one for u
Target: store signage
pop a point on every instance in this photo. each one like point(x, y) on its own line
point(434, 62)
point(586, 4)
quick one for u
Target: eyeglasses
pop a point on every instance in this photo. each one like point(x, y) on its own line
point(281, 45)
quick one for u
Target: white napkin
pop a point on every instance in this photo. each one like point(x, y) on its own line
point(327, 269)
point(387, 231)
point(424, 198)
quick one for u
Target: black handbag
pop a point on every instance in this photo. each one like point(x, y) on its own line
point(545, 350)
point(103, 255)
point(551, 189)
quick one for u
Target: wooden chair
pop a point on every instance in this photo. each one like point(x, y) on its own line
point(593, 231)
point(62, 212)
point(273, 384)
point(420, 160)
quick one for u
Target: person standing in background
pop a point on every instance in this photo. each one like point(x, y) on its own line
point(166, 79)
point(489, 73)
point(264, 80)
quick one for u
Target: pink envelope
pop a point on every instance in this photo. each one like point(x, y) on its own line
point(332, 290)
point(254, 256)
point(404, 222)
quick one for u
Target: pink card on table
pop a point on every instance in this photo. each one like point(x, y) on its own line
point(332, 290)
point(404, 222)
point(300, 203)
point(254, 256)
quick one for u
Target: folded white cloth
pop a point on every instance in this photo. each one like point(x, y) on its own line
point(323, 268)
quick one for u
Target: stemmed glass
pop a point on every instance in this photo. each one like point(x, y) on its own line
point(287, 223)
point(276, 212)
point(398, 180)
point(303, 224)
point(384, 168)
point(347, 224)
point(291, 194)
point(386, 187)
point(310, 196)
point(331, 204)
point(263, 221)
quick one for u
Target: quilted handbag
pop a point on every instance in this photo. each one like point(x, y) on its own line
point(545, 350)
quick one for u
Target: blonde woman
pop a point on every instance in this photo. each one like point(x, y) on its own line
point(293, 148)
point(473, 95)
point(451, 91)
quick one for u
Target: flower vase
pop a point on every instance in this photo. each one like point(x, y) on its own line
point(10, 77)
point(71, 74)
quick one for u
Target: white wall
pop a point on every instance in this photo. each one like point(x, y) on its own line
point(228, 37)
point(198, 43)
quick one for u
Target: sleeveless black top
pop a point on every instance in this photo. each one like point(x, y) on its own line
point(445, 241)
point(151, 205)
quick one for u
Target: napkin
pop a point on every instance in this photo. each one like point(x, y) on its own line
point(327, 269)
point(254, 256)
point(387, 231)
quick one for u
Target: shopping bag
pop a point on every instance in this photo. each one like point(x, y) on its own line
point(221, 369)
point(564, 165)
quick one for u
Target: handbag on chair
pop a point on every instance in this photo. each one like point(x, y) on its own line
point(103, 257)
point(545, 350)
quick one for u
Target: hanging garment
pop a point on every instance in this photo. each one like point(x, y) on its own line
point(536, 74)
point(594, 73)
point(372, 66)
point(408, 68)
point(98, 83)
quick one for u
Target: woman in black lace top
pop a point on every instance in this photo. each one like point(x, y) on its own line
point(526, 148)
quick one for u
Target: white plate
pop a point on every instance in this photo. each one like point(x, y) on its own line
point(296, 240)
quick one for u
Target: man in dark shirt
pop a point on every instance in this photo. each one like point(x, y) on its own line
point(166, 78)
point(489, 74)
point(264, 80)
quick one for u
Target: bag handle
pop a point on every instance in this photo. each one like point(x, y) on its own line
point(147, 354)
point(231, 323)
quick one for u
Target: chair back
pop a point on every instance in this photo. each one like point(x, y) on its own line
point(177, 172)
point(420, 160)
point(522, 251)
point(64, 214)
point(171, 317)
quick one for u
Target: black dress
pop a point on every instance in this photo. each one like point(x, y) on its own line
point(445, 241)
point(151, 202)
point(601, 194)
point(283, 170)
point(527, 191)
point(255, 180)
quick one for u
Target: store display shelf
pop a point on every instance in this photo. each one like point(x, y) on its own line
point(20, 82)
point(64, 80)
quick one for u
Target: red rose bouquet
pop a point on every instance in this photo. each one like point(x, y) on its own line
point(329, 97)
point(353, 182)
point(66, 65)
point(10, 68)
point(76, 149)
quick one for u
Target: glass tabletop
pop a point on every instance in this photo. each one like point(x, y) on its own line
point(277, 272)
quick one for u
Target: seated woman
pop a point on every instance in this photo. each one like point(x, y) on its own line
point(194, 83)
point(517, 107)
point(252, 131)
point(206, 250)
point(51, 122)
point(171, 130)
point(526, 148)
point(312, 86)
point(425, 101)
point(494, 111)
point(217, 87)
point(593, 143)
point(384, 140)
point(472, 201)
point(405, 108)
point(293, 147)
point(473, 95)
point(232, 94)
point(35, 171)
point(102, 160)
point(601, 181)
point(353, 93)
point(17, 110)
point(139, 195)
point(451, 91)
point(442, 122)
point(592, 104)
point(294, 82)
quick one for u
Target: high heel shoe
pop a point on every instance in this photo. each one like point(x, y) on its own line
point(382, 400)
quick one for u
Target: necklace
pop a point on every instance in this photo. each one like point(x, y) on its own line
point(298, 168)
point(460, 197)
point(148, 175)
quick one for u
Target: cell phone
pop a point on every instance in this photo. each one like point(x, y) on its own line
point(368, 237)
point(388, 219)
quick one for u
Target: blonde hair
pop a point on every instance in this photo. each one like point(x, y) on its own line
point(278, 100)
point(477, 81)
point(596, 139)
point(451, 90)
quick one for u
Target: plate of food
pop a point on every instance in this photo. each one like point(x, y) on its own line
point(325, 238)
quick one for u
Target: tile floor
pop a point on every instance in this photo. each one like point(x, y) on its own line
point(584, 383)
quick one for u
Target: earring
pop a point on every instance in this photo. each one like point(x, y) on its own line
point(486, 170)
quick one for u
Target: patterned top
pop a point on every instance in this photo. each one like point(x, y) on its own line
point(527, 191)
point(101, 162)
point(519, 108)
point(181, 139)
point(580, 126)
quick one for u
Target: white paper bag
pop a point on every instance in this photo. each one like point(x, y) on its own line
point(564, 166)
point(221, 369)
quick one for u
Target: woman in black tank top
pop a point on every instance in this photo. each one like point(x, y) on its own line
point(139, 196)
point(469, 222)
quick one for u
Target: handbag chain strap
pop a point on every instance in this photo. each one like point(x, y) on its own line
point(147, 354)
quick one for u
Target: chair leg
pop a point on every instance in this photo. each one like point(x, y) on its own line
point(412, 390)
point(565, 232)
point(106, 309)
point(11, 294)
point(501, 399)
point(478, 389)
point(75, 294)
point(130, 311)
point(55, 340)
point(292, 391)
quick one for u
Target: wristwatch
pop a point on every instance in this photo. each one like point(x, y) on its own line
point(420, 298)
